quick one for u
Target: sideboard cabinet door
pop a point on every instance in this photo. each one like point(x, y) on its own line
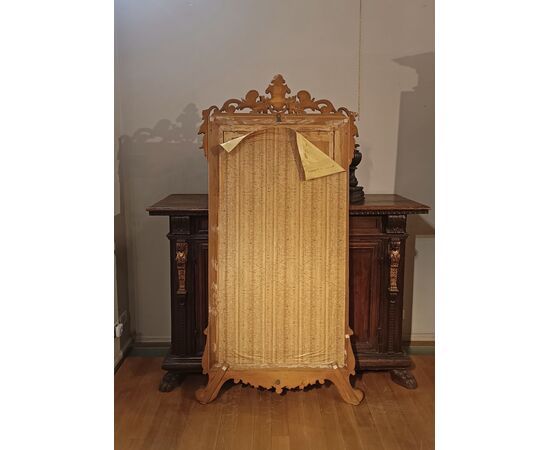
point(365, 280)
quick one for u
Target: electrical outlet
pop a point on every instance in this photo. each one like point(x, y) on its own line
point(119, 328)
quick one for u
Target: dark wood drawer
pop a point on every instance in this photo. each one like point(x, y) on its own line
point(364, 225)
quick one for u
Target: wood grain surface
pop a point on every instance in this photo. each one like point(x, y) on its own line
point(391, 417)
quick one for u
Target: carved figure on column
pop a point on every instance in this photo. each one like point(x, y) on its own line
point(181, 266)
point(395, 256)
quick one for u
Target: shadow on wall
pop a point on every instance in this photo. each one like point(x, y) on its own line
point(414, 176)
point(153, 163)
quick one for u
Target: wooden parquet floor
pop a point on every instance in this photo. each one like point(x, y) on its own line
point(391, 417)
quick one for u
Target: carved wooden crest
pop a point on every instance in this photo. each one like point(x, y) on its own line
point(277, 103)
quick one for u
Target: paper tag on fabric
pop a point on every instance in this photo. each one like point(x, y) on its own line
point(230, 145)
point(314, 162)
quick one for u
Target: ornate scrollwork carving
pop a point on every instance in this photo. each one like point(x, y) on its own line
point(181, 266)
point(395, 256)
point(280, 383)
point(278, 102)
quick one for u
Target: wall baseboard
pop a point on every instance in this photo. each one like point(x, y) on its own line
point(420, 350)
point(151, 346)
point(164, 341)
point(422, 344)
point(420, 337)
point(146, 340)
point(419, 343)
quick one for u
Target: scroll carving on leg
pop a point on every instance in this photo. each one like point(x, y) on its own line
point(280, 379)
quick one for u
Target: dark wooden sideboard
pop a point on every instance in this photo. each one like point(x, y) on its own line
point(377, 244)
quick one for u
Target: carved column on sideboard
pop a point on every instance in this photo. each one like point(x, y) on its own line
point(395, 226)
point(182, 249)
point(179, 253)
point(356, 192)
point(393, 293)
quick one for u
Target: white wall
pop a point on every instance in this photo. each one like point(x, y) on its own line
point(396, 134)
point(175, 58)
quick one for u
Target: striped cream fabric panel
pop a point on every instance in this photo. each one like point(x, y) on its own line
point(282, 249)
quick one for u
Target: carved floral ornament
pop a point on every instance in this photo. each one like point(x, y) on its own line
point(181, 266)
point(277, 103)
point(395, 257)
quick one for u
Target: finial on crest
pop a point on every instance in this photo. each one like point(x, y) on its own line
point(278, 90)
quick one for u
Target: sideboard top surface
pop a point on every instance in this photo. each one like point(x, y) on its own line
point(373, 204)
